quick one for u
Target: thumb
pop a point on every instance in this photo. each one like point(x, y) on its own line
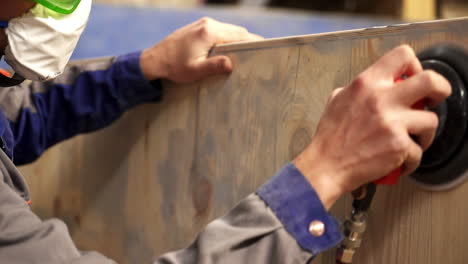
point(214, 65)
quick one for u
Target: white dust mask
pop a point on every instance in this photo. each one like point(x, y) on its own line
point(41, 42)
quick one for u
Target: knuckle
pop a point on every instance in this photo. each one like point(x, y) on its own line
point(446, 88)
point(204, 31)
point(387, 126)
point(362, 88)
point(396, 137)
point(433, 120)
point(243, 30)
point(413, 160)
point(429, 78)
point(360, 83)
point(416, 157)
point(406, 52)
point(430, 75)
point(205, 20)
point(440, 83)
point(221, 63)
point(398, 145)
point(334, 93)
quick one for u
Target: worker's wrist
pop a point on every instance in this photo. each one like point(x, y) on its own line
point(321, 179)
point(297, 205)
point(153, 66)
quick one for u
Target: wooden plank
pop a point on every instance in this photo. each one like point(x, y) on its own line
point(246, 121)
point(316, 77)
point(148, 183)
point(445, 27)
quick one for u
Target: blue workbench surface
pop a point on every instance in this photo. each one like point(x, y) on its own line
point(115, 30)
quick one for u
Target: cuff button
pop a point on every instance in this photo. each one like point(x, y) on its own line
point(316, 228)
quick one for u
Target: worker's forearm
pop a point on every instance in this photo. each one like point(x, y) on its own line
point(284, 222)
point(86, 97)
point(250, 233)
point(317, 175)
point(280, 224)
point(24, 238)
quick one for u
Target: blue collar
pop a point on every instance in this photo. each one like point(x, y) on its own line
point(3, 24)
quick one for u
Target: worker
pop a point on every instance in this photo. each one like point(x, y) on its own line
point(368, 128)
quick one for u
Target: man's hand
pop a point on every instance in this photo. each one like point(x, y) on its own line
point(183, 56)
point(369, 128)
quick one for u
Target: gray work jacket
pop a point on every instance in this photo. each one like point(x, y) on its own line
point(260, 229)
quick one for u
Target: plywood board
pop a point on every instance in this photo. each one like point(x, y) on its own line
point(149, 182)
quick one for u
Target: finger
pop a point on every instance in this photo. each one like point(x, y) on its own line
point(214, 65)
point(421, 125)
point(236, 36)
point(225, 39)
point(219, 32)
point(255, 37)
point(427, 85)
point(228, 33)
point(413, 158)
point(397, 62)
point(334, 93)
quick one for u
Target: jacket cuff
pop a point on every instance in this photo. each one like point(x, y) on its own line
point(298, 207)
point(132, 84)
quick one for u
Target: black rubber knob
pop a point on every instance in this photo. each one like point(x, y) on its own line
point(444, 164)
point(452, 115)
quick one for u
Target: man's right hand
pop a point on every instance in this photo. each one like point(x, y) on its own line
point(368, 128)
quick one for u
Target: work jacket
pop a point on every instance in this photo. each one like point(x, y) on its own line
point(273, 225)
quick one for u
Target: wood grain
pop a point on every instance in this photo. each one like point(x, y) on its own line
point(149, 182)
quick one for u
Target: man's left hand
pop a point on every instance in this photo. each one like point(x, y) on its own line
point(183, 56)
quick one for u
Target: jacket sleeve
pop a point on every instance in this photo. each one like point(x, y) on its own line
point(269, 227)
point(26, 239)
point(249, 233)
point(252, 232)
point(86, 97)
